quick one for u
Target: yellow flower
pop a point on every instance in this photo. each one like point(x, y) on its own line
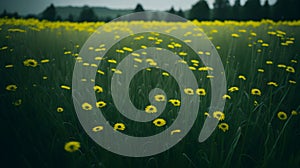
point(261, 70)
point(30, 62)
point(119, 126)
point(17, 102)
point(226, 97)
point(150, 109)
point(282, 115)
point(269, 62)
point(233, 89)
point(292, 82)
point(9, 66)
point(45, 60)
point(100, 104)
point(293, 61)
point(159, 98)
point(65, 87)
point(11, 87)
point(59, 109)
point(86, 106)
point(165, 74)
point(188, 91)
point(112, 61)
point(281, 66)
point(242, 77)
point(97, 128)
point(98, 89)
point(209, 76)
point(223, 126)
point(256, 92)
point(255, 103)
point(201, 92)
point(294, 112)
point(159, 122)
point(72, 146)
point(175, 102)
point(206, 114)
point(175, 131)
point(219, 115)
point(272, 84)
point(127, 49)
point(290, 69)
point(235, 35)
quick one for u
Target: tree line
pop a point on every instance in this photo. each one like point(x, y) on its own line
point(222, 10)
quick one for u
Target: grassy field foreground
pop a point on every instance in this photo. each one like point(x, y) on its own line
point(259, 127)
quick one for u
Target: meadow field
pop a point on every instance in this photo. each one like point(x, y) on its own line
point(259, 126)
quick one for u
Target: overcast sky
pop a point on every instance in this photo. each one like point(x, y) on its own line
point(37, 6)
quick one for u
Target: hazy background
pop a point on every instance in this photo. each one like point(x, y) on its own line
point(24, 7)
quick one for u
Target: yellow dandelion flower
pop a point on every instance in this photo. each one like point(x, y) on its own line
point(269, 62)
point(242, 77)
point(253, 34)
point(119, 126)
point(226, 97)
point(11, 87)
point(233, 89)
point(112, 61)
point(144, 47)
point(100, 72)
point(65, 87)
point(235, 35)
point(60, 109)
point(165, 74)
point(9, 66)
point(188, 91)
point(127, 49)
point(195, 61)
point(30, 62)
point(200, 92)
point(120, 51)
point(265, 45)
point(206, 114)
point(98, 89)
point(292, 82)
point(86, 106)
point(207, 53)
point(272, 84)
point(282, 115)
point(86, 64)
point(150, 109)
point(224, 127)
point(159, 98)
point(294, 61)
point(290, 69)
point(97, 128)
point(116, 71)
point(17, 102)
point(261, 70)
point(192, 68)
point(294, 112)
point(255, 92)
point(209, 76)
point(135, 54)
point(182, 54)
point(219, 115)
point(100, 104)
point(72, 146)
point(175, 102)
point(281, 66)
point(175, 131)
point(159, 122)
point(45, 60)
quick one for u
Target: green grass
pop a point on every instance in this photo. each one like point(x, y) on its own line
point(35, 133)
